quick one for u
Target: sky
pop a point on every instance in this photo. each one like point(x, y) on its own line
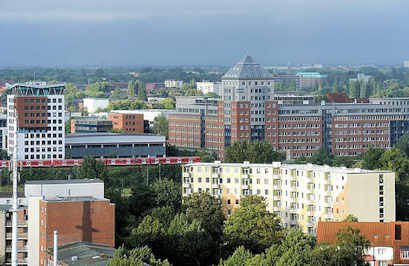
point(54, 33)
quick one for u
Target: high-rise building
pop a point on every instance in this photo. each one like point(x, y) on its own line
point(300, 195)
point(35, 113)
point(406, 64)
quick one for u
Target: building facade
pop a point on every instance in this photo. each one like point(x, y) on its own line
point(389, 241)
point(91, 126)
point(208, 87)
point(112, 145)
point(128, 123)
point(35, 114)
point(173, 83)
point(298, 125)
point(300, 195)
point(91, 105)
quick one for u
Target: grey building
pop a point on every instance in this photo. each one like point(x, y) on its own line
point(111, 145)
point(91, 125)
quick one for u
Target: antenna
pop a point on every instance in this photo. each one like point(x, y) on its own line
point(14, 258)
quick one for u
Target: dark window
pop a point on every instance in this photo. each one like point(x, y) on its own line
point(398, 232)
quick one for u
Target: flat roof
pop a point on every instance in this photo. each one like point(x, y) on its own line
point(66, 181)
point(296, 166)
point(73, 199)
point(85, 254)
point(111, 138)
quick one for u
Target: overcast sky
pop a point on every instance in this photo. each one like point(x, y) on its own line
point(217, 32)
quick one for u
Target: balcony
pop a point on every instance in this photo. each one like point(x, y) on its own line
point(19, 235)
point(186, 174)
point(19, 249)
point(215, 175)
point(186, 185)
point(215, 186)
point(245, 186)
point(310, 197)
point(245, 176)
point(9, 224)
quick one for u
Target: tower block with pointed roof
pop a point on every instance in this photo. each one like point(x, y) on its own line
point(245, 88)
point(214, 124)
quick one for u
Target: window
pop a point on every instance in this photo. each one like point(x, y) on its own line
point(404, 253)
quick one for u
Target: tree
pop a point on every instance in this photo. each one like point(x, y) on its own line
point(91, 168)
point(350, 218)
point(136, 257)
point(403, 144)
point(160, 125)
point(255, 152)
point(296, 249)
point(167, 194)
point(67, 126)
point(252, 226)
point(131, 89)
point(351, 247)
point(397, 161)
point(206, 209)
point(321, 157)
point(191, 244)
point(142, 91)
point(371, 158)
point(241, 256)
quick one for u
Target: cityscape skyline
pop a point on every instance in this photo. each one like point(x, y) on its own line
point(184, 33)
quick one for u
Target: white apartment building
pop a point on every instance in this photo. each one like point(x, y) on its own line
point(93, 104)
point(173, 83)
point(207, 87)
point(301, 195)
point(35, 119)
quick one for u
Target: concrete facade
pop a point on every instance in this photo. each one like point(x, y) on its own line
point(301, 195)
point(40, 124)
point(93, 104)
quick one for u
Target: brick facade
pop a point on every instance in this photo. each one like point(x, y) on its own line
point(129, 123)
point(76, 221)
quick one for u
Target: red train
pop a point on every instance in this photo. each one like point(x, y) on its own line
point(107, 161)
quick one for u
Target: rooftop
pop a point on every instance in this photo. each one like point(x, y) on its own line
point(73, 199)
point(38, 85)
point(247, 68)
point(111, 138)
point(84, 254)
point(295, 166)
point(71, 181)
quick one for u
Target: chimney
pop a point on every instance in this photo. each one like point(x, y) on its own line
point(55, 248)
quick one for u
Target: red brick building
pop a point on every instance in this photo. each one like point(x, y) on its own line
point(389, 241)
point(76, 220)
point(129, 123)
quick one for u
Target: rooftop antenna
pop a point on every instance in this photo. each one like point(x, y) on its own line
point(14, 258)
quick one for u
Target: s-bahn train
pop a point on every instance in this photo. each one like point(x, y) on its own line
point(107, 161)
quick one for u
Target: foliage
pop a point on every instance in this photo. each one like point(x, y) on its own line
point(252, 226)
point(350, 218)
point(98, 89)
point(403, 144)
point(91, 168)
point(142, 91)
point(371, 159)
point(160, 125)
point(296, 249)
point(168, 194)
point(126, 105)
point(254, 152)
point(168, 103)
point(397, 161)
point(240, 257)
point(206, 209)
point(136, 257)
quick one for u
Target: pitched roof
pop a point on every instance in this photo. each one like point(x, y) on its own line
point(247, 68)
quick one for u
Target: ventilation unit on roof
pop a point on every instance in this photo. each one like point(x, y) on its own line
point(74, 258)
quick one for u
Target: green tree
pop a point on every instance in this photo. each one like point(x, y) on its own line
point(67, 126)
point(397, 161)
point(321, 157)
point(350, 218)
point(206, 209)
point(160, 125)
point(191, 244)
point(91, 168)
point(142, 92)
point(131, 89)
point(136, 257)
point(351, 247)
point(167, 194)
point(403, 144)
point(296, 249)
point(255, 152)
point(241, 256)
point(371, 159)
point(252, 226)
